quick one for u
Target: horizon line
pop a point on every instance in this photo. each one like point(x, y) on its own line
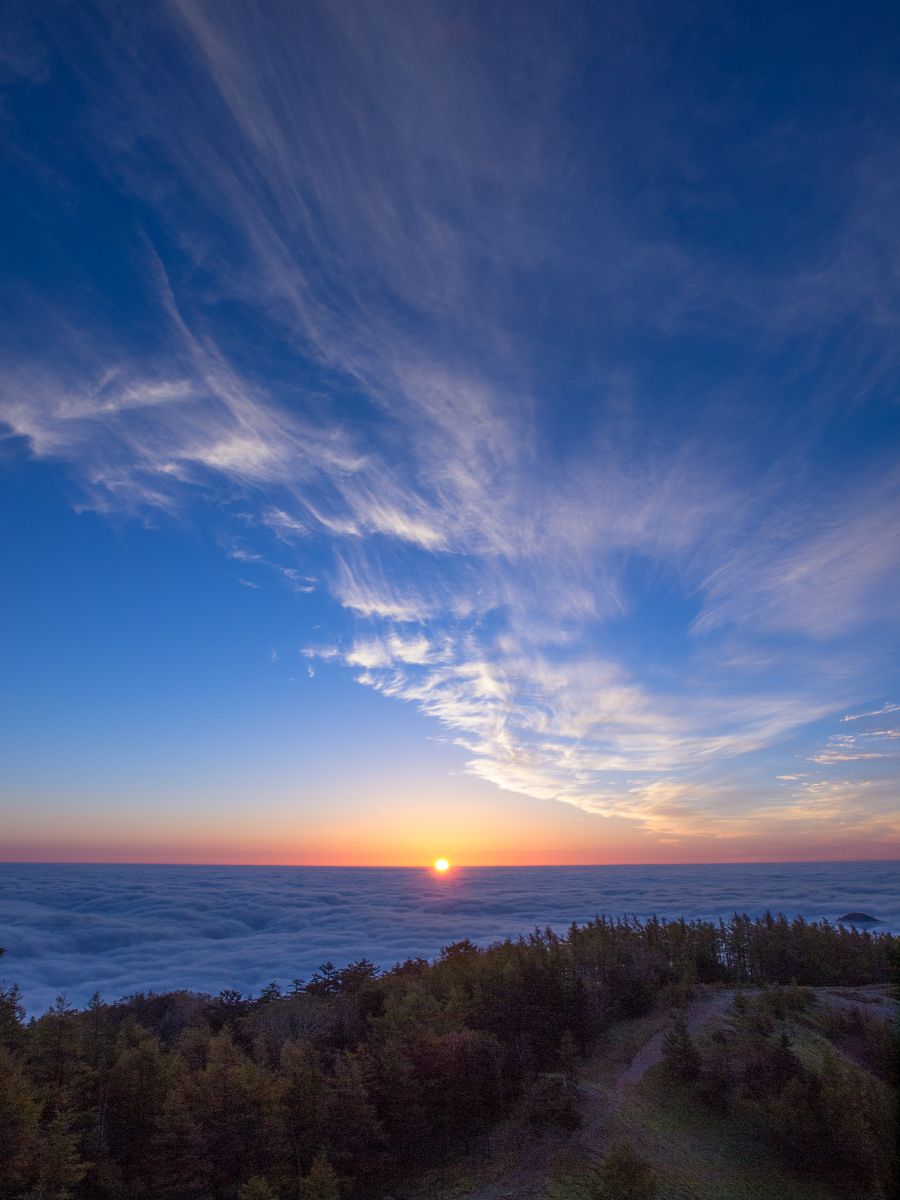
point(428, 866)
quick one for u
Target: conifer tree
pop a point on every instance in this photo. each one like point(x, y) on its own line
point(56, 1047)
point(59, 1164)
point(679, 1052)
point(321, 1183)
point(137, 1089)
point(353, 1122)
point(303, 1099)
point(256, 1189)
point(12, 1014)
point(18, 1124)
point(325, 981)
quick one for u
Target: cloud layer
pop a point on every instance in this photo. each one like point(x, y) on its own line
point(80, 929)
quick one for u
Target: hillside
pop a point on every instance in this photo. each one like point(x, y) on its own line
point(697, 1060)
point(625, 1094)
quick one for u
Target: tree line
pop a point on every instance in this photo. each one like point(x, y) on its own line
point(340, 1085)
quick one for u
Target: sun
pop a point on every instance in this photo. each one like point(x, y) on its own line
point(441, 864)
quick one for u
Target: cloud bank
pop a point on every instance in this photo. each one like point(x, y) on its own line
point(118, 930)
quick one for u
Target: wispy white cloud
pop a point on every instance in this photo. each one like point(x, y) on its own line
point(842, 806)
point(875, 712)
point(858, 746)
point(575, 729)
point(380, 416)
point(838, 755)
point(818, 575)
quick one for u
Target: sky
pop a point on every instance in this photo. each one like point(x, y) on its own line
point(449, 429)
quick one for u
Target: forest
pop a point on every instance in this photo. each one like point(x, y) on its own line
point(355, 1081)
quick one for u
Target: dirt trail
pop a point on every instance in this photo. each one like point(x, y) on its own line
point(875, 999)
point(605, 1086)
point(599, 1102)
point(697, 1013)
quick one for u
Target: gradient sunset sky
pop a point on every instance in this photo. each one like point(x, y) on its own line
point(447, 428)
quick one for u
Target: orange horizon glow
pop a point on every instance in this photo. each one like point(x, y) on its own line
point(400, 825)
point(512, 833)
point(193, 855)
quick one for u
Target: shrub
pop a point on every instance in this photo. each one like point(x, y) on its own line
point(256, 1189)
point(680, 1055)
point(552, 1101)
point(624, 1175)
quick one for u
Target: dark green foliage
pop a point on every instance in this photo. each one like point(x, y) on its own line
point(19, 1113)
point(623, 1175)
point(833, 1122)
point(679, 1052)
point(12, 1014)
point(837, 1124)
point(866, 1039)
point(303, 1101)
point(322, 1181)
point(134, 1105)
point(551, 1102)
point(230, 998)
point(325, 981)
point(58, 1165)
point(256, 1189)
point(817, 954)
point(272, 991)
point(344, 1085)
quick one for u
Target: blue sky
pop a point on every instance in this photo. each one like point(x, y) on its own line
point(450, 428)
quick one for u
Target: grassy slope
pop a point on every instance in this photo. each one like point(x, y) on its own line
point(698, 1155)
point(695, 1153)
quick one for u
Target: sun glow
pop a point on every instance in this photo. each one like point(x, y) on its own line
point(441, 864)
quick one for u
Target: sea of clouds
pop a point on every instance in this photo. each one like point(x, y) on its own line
point(77, 929)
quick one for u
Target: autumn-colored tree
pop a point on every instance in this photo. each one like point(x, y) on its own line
point(54, 1050)
point(230, 1109)
point(58, 1161)
point(353, 1125)
point(256, 1189)
point(137, 1090)
point(186, 1097)
point(303, 1099)
point(19, 1113)
point(321, 1183)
